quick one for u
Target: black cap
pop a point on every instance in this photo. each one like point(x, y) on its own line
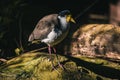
point(64, 12)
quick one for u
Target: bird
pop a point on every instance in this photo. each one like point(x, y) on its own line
point(52, 29)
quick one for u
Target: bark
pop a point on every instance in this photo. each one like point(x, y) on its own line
point(97, 40)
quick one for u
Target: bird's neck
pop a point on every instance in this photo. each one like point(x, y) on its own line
point(64, 24)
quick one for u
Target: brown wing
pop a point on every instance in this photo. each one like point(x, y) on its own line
point(44, 27)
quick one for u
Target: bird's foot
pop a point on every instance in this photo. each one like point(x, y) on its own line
point(54, 68)
point(57, 66)
point(62, 66)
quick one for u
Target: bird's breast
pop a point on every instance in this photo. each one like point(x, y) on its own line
point(55, 36)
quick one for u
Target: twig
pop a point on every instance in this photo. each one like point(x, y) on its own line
point(20, 34)
point(37, 50)
point(3, 60)
point(85, 10)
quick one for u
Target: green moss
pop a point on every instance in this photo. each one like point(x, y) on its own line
point(37, 66)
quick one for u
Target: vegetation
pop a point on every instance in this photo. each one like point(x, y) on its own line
point(37, 66)
point(10, 26)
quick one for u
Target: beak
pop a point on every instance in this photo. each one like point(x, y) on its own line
point(72, 20)
point(69, 18)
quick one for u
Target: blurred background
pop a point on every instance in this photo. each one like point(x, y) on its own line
point(19, 17)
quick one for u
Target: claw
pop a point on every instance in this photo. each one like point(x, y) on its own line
point(53, 67)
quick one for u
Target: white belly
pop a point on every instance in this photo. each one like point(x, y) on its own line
point(55, 37)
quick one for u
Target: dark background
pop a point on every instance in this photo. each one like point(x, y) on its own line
point(19, 17)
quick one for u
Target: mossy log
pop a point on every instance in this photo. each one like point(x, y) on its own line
point(37, 66)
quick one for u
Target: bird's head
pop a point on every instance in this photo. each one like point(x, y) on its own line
point(67, 15)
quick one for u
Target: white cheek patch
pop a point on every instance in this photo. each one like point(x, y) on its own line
point(63, 22)
point(59, 17)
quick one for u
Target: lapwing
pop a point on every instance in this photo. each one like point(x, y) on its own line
point(52, 29)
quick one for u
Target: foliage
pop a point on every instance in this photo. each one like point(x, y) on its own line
point(11, 11)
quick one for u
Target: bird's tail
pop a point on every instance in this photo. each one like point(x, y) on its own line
point(31, 37)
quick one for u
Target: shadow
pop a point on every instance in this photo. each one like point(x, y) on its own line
point(64, 46)
point(97, 68)
point(36, 46)
point(109, 59)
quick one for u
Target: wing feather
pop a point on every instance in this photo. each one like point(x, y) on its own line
point(44, 27)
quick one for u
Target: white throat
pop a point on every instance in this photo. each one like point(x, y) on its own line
point(63, 22)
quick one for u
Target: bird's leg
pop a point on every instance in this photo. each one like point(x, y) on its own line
point(49, 49)
point(58, 59)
